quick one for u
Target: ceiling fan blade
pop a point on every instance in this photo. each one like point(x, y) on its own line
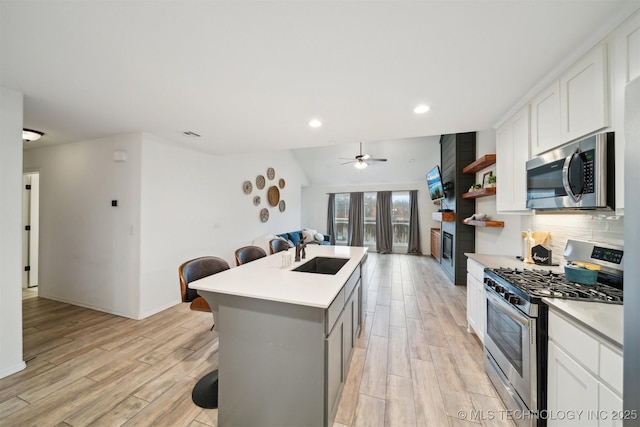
point(377, 160)
point(346, 163)
point(366, 157)
point(346, 158)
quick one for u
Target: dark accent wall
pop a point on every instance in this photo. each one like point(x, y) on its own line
point(456, 152)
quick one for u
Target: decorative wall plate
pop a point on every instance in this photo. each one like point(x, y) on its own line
point(247, 187)
point(273, 195)
point(264, 215)
point(260, 182)
point(282, 206)
point(281, 183)
point(271, 173)
point(256, 200)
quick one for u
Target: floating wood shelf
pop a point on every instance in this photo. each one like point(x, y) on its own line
point(481, 163)
point(443, 216)
point(484, 223)
point(483, 192)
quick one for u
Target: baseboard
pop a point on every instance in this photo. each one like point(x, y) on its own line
point(92, 307)
point(158, 309)
point(12, 370)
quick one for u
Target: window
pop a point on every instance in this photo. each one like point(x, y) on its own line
point(370, 219)
point(400, 218)
point(342, 218)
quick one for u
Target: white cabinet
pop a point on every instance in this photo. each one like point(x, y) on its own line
point(584, 102)
point(570, 388)
point(584, 374)
point(625, 68)
point(545, 119)
point(475, 298)
point(512, 153)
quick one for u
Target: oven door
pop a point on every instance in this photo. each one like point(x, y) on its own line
point(509, 337)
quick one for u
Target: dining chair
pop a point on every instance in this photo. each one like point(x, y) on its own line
point(278, 245)
point(205, 392)
point(249, 253)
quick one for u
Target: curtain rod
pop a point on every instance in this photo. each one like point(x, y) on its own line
point(349, 192)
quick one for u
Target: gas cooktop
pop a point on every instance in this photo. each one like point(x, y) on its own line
point(541, 284)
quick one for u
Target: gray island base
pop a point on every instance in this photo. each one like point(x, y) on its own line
point(284, 363)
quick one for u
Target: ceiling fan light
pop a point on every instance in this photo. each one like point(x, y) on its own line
point(30, 135)
point(360, 164)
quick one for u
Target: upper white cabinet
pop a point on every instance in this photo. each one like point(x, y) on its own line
point(512, 152)
point(584, 106)
point(545, 119)
point(625, 68)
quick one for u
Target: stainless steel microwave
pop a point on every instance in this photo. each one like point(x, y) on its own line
point(579, 175)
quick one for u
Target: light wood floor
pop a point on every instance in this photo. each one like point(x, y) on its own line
point(415, 364)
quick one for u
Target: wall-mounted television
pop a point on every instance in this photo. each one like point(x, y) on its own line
point(434, 181)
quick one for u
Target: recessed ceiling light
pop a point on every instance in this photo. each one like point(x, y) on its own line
point(421, 109)
point(315, 123)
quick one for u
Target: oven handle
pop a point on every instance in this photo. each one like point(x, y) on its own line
point(506, 309)
point(565, 177)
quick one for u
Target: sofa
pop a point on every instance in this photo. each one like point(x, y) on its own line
point(295, 236)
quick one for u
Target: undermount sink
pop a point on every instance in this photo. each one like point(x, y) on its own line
point(322, 265)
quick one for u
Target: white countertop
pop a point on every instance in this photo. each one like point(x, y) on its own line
point(266, 279)
point(604, 319)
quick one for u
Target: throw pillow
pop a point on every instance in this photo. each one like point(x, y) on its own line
point(319, 237)
point(308, 235)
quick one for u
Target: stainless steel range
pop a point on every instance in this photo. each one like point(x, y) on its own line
point(515, 335)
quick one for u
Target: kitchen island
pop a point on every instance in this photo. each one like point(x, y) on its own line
point(286, 337)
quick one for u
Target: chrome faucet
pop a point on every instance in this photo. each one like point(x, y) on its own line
point(300, 250)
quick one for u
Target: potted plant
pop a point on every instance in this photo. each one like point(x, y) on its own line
point(492, 181)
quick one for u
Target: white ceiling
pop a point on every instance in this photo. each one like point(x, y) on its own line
point(250, 75)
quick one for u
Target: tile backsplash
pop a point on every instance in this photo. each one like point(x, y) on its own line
point(604, 228)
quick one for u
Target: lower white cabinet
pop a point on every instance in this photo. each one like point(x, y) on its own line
point(475, 298)
point(584, 377)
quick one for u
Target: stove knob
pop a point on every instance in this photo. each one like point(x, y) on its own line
point(514, 299)
point(507, 296)
point(500, 289)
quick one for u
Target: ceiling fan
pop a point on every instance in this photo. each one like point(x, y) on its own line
point(361, 161)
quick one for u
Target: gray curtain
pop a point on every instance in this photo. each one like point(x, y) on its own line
point(331, 223)
point(384, 233)
point(356, 220)
point(414, 229)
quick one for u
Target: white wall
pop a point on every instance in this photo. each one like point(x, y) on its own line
point(193, 205)
point(10, 232)
point(89, 250)
point(494, 240)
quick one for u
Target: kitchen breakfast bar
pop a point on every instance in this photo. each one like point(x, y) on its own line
point(286, 337)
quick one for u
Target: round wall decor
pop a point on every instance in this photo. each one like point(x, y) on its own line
point(247, 187)
point(260, 182)
point(256, 200)
point(281, 183)
point(264, 215)
point(271, 173)
point(282, 206)
point(273, 195)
